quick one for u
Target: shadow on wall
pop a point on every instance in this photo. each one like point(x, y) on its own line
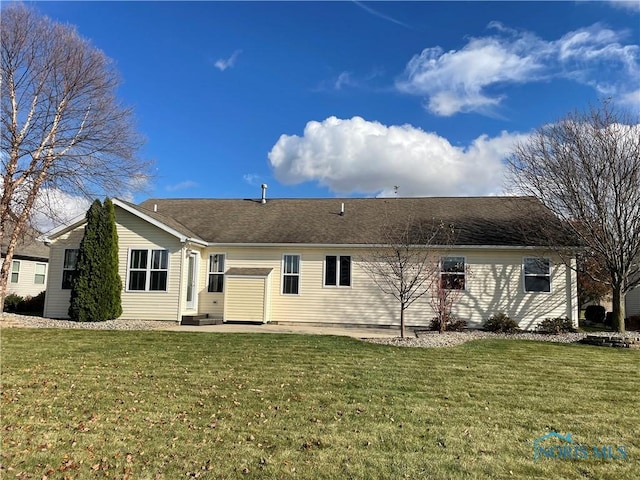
point(497, 292)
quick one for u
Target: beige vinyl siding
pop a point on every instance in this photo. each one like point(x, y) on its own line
point(245, 299)
point(56, 303)
point(26, 286)
point(211, 303)
point(633, 302)
point(134, 233)
point(494, 283)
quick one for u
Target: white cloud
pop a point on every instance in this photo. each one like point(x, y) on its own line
point(358, 156)
point(630, 5)
point(223, 63)
point(460, 80)
point(55, 207)
point(251, 178)
point(181, 186)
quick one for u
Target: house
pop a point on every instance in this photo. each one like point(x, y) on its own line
point(300, 260)
point(632, 300)
point(28, 271)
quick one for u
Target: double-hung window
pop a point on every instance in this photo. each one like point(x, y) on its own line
point(537, 274)
point(41, 272)
point(337, 271)
point(69, 267)
point(452, 273)
point(148, 270)
point(15, 271)
point(291, 274)
point(216, 273)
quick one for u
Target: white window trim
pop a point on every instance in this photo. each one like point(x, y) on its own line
point(524, 275)
point(464, 272)
point(148, 270)
point(209, 272)
point(35, 273)
point(324, 271)
point(13, 262)
point(299, 274)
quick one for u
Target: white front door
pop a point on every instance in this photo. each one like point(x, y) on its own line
point(192, 282)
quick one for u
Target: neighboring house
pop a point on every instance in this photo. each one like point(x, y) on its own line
point(299, 260)
point(633, 302)
point(28, 272)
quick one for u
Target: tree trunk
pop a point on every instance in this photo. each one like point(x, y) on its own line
point(4, 279)
point(402, 308)
point(618, 307)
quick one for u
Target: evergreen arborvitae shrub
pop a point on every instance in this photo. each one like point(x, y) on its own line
point(111, 297)
point(96, 287)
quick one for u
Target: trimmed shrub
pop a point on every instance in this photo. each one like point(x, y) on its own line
point(12, 302)
point(33, 305)
point(595, 314)
point(633, 322)
point(556, 325)
point(502, 323)
point(452, 325)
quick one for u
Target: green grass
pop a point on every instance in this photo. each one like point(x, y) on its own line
point(103, 404)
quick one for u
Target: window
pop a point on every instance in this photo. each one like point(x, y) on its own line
point(291, 274)
point(452, 273)
point(41, 271)
point(15, 271)
point(337, 271)
point(69, 267)
point(216, 273)
point(537, 275)
point(148, 270)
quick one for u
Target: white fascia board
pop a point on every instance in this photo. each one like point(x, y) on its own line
point(80, 219)
point(371, 245)
point(62, 229)
point(134, 211)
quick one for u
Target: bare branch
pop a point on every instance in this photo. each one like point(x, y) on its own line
point(61, 125)
point(586, 169)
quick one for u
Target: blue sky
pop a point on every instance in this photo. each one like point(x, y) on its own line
point(349, 98)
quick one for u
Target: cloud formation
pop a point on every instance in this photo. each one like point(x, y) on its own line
point(181, 186)
point(222, 64)
point(470, 79)
point(358, 156)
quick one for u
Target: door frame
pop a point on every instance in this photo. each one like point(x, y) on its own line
point(192, 282)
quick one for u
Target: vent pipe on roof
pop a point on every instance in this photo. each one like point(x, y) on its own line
point(342, 209)
point(155, 207)
point(264, 193)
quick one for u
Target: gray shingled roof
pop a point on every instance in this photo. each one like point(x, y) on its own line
point(502, 221)
point(28, 247)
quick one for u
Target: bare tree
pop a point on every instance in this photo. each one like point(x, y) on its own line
point(586, 169)
point(62, 125)
point(447, 292)
point(405, 264)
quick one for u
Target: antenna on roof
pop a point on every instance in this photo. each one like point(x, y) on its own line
point(395, 190)
point(263, 200)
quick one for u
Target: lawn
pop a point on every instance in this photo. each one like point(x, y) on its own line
point(161, 405)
